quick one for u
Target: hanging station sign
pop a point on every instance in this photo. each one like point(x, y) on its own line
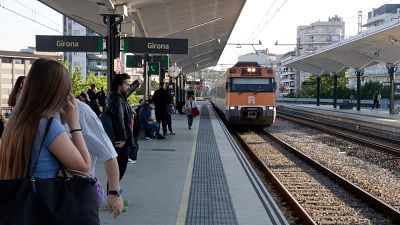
point(51, 43)
point(155, 45)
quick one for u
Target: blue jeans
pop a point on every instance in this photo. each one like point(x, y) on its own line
point(190, 120)
point(152, 126)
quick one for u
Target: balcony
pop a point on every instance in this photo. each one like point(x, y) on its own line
point(96, 56)
point(96, 67)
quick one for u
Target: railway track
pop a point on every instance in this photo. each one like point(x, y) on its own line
point(317, 194)
point(385, 144)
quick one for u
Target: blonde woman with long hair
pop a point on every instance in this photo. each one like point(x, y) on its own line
point(46, 93)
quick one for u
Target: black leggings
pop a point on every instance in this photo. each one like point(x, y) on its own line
point(122, 159)
point(376, 103)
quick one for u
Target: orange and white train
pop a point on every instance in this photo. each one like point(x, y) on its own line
point(245, 95)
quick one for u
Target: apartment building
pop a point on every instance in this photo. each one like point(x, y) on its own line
point(310, 38)
point(378, 73)
point(14, 64)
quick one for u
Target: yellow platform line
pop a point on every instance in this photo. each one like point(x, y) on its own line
point(183, 205)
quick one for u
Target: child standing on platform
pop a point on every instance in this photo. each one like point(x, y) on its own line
point(189, 105)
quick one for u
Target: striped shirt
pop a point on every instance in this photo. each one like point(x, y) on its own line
point(99, 145)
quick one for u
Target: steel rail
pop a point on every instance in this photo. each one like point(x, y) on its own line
point(305, 218)
point(363, 195)
point(382, 145)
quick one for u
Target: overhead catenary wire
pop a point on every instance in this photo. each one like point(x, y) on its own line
point(3, 5)
point(34, 12)
point(262, 24)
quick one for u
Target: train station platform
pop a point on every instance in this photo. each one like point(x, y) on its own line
point(197, 176)
point(365, 116)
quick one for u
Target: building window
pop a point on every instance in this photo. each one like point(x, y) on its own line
point(6, 60)
point(19, 61)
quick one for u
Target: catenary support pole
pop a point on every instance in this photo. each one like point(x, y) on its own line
point(359, 73)
point(318, 89)
point(391, 70)
point(113, 46)
point(335, 76)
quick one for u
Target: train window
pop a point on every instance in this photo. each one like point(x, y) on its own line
point(252, 84)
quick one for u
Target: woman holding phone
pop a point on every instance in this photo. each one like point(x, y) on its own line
point(46, 94)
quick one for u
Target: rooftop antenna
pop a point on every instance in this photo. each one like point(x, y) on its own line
point(359, 21)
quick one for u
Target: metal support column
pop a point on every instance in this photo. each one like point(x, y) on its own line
point(318, 89)
point(359, 73)
point(391, 70)
point(335, 90)
point(113, 46)
point(146, 77)
point(162, 73)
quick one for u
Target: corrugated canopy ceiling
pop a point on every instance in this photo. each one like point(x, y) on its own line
point(377, 45)
point(167, 19)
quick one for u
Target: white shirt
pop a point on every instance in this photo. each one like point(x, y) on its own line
point(99, 145)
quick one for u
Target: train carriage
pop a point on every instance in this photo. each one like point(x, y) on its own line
point(245, 95)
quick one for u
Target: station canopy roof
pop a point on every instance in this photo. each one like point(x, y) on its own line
point(378, 45)
point(207, 24)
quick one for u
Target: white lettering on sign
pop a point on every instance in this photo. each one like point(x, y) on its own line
point(67, 44)
point(153, 45)
point(251, 100)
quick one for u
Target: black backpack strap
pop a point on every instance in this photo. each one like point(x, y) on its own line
point(46, 131)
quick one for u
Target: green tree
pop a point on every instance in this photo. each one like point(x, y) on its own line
point(327, 87)
point(78, 85)
point(370, 87)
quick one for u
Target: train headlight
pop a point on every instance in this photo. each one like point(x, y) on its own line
point(248, 69)
point(270, 108)
point(232, 107)
point(253, 70)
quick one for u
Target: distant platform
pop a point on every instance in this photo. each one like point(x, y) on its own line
point(366, 116)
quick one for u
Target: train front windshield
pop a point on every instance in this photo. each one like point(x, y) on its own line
point(252, 85)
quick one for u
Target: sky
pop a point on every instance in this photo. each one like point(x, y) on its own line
point(265, 20)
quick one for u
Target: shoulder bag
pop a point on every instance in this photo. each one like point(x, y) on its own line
point(59, 201)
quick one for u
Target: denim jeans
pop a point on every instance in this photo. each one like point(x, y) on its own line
point(190, 120)
point(153, 127)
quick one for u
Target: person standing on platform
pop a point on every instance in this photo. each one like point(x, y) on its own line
point(92, 92)
point(169, 119)
point(121, 115)
point(189, 105)
point(16, 91)
point(136, 128)
point(376, 98)
point(189, 92)
point(162, 100)
point(101, 96)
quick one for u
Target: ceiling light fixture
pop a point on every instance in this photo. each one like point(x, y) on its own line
point(205, 65)
point(205, 53)
point(203, 60)
point(201, 43)
point(202, 24)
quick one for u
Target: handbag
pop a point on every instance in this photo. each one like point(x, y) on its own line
point(59, 201)
point(195, 110)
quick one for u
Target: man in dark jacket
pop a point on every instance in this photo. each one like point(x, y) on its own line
point(147, 122)
point(121, 115)
point(162, 100)
point(190, 92)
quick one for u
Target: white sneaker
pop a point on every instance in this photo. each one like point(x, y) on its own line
point(131, 161)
